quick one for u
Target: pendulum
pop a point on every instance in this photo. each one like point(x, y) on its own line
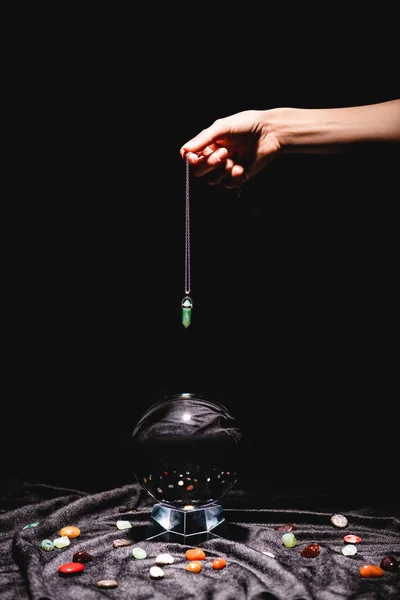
point(186, 311)
point(187, 303)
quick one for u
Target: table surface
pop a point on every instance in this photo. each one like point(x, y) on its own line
point(258, 564)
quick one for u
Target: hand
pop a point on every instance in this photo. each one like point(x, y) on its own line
point(233, 149)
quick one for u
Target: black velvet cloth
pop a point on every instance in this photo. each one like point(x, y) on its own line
point(28, 572)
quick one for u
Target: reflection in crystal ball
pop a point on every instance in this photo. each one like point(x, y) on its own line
point(187, 450)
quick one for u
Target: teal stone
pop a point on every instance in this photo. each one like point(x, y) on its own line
point(139, 553)
point(289, 540)
point(31, 525)
point(47, 545)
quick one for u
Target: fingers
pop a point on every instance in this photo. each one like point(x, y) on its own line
point(227, 173)
point(210, 159)
point(236, 177)
point(207, 161)
point(205, 139)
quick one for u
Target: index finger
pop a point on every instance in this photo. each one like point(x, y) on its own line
point(207, 137)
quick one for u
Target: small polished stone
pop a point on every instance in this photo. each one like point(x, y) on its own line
point(352, 539)
point(71, 568)
point(218, 564)
point(124, 524)
point(70, 531)
point(310, 551)
point(35, 524)
point(194, 566)
point(289, 540)
point(389, 563)
point(339, 520)
point(156, 572)
point(371, 571)
point(139, 553)
point(349, 550)
point(47, 545)
point(195, 554)
point(287, 527)
point(107, 584)
point(164, 559)
point(62, 542)
point(82, 556)
point(122, 542)
point(268, 553)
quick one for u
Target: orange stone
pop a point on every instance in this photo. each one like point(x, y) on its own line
point(371, 571)
point(70, 531)
point(218, 563)
point(194, 566)
point(195, 554)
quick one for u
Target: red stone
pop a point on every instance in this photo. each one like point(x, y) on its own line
point(310, 551)
point(352, 539)
point(71, 568)
point(371, 571)
point(218, 563)
point(195, 554)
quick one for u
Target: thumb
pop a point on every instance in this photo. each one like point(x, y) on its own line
point(205, 138)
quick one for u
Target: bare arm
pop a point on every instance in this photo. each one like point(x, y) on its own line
point(235, 148)
point(333, 129)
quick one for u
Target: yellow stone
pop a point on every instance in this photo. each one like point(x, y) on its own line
point(62, 542)
point(70, 531)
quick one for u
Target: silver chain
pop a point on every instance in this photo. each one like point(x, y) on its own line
point(187, 231)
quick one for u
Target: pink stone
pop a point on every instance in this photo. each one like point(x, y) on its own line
point(71, 568)
point(287, 527)
point(352, 539)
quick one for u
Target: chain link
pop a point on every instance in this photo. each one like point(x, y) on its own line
point(187, 230)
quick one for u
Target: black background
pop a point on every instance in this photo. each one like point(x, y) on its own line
point(293, 282)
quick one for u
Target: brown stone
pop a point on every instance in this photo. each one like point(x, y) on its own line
point(82, 556)
point(389, 563)
point(122, 542)
point(310, 551)
point(107, 584)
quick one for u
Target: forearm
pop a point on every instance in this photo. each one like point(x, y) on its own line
point(335, 129)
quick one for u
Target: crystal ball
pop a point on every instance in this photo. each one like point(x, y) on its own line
point(187, 451)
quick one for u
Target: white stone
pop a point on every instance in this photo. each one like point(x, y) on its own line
point(124, 524)
point(164, 559)
point(349, 550)
point(339, 521)
point(156, 572)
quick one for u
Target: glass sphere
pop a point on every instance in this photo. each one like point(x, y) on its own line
point(187, 450)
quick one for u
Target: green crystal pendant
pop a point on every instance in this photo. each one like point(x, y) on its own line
point(187, 306)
